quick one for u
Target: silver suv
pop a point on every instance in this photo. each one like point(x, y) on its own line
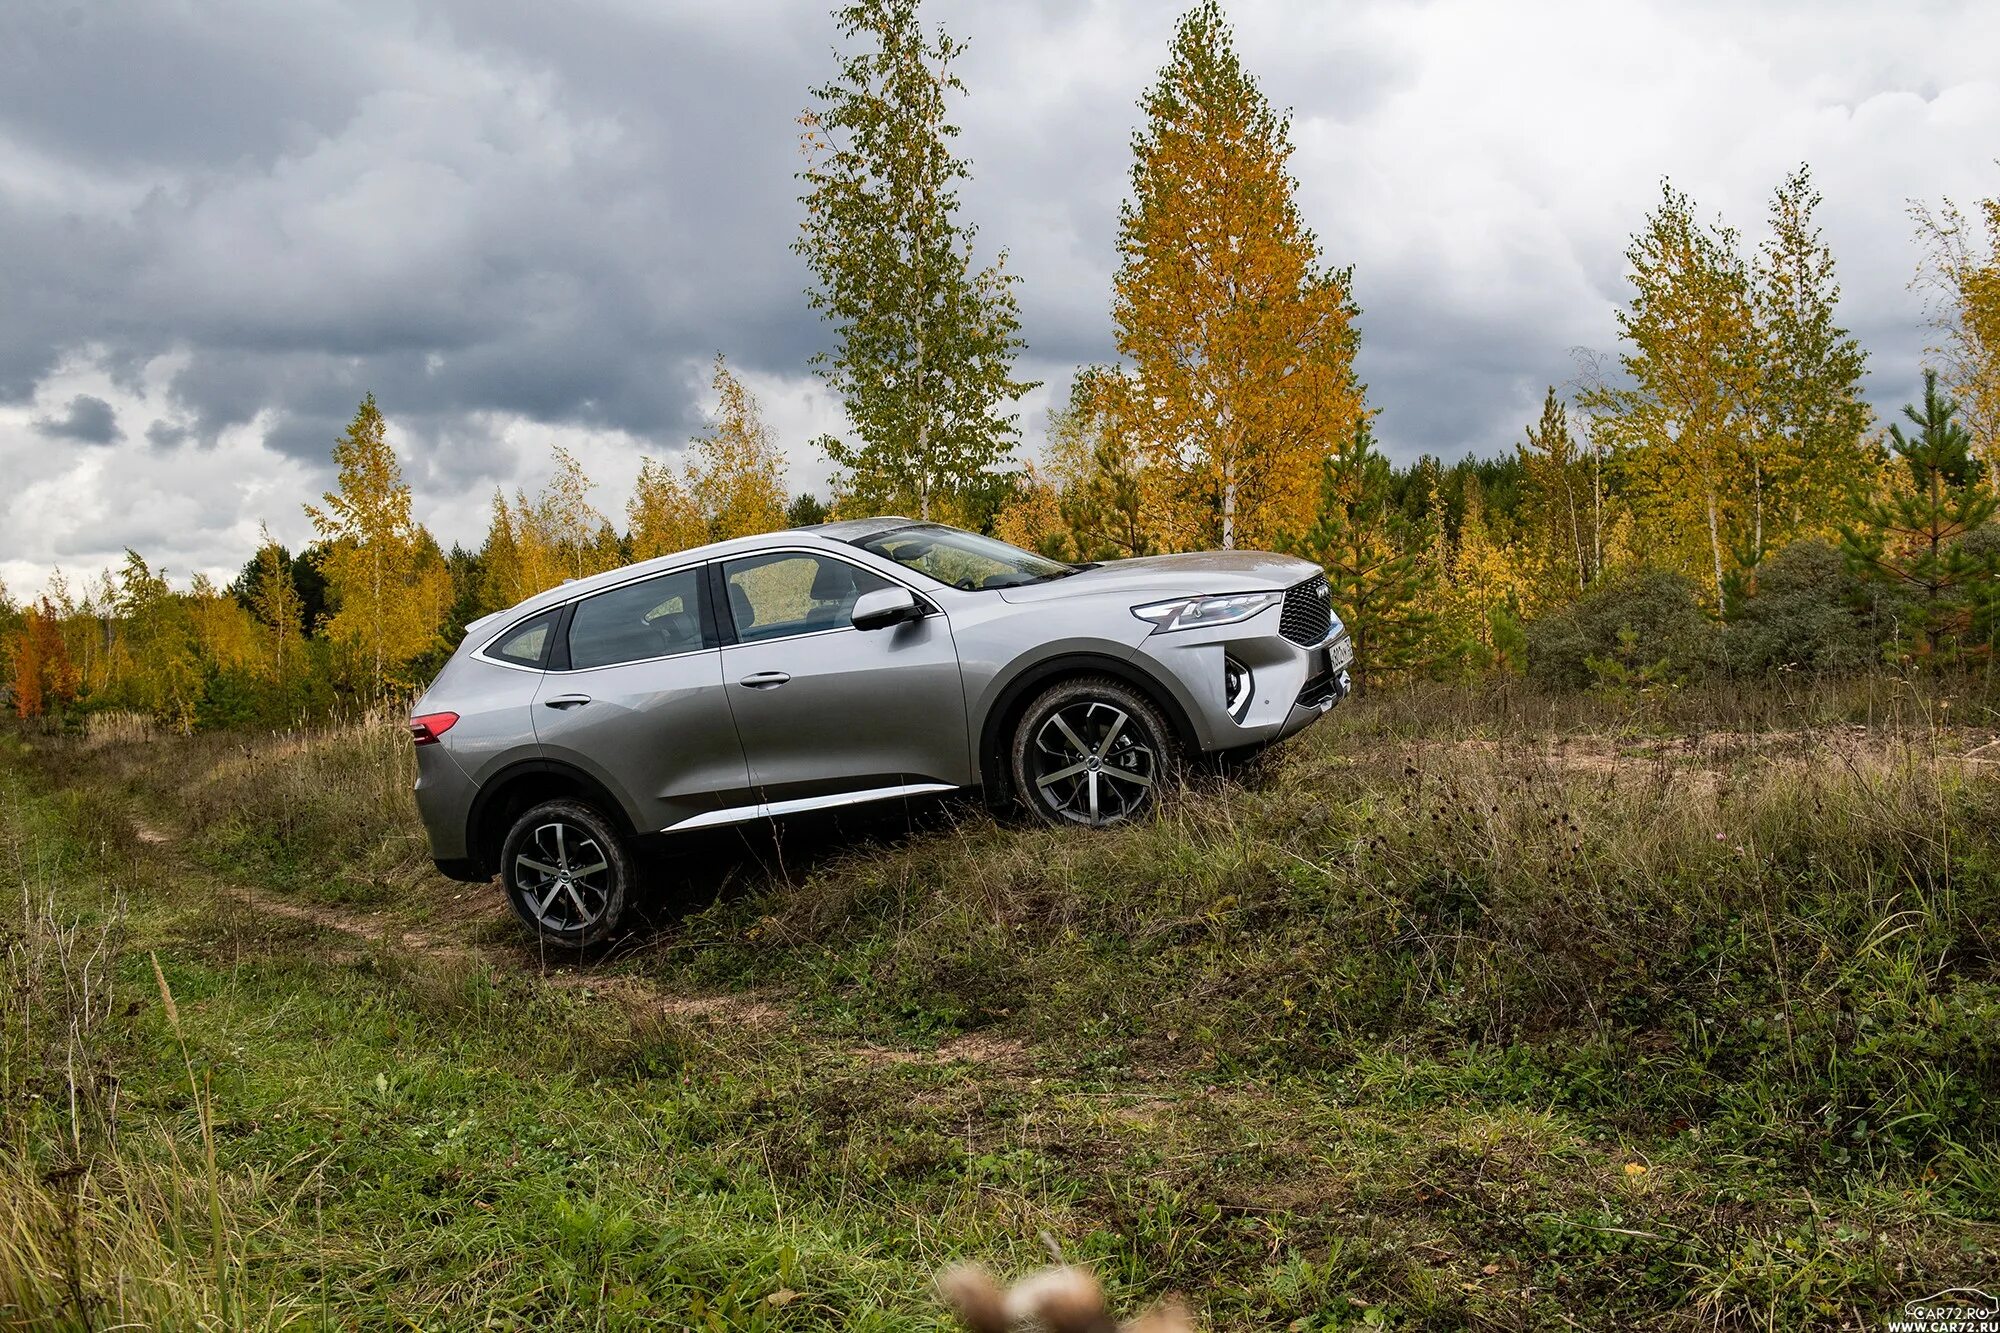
point(849, 662)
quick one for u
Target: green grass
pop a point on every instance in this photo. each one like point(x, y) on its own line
point(1455, 1013)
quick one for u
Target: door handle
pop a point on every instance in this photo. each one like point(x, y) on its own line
point(567, 701)
point(764, 680)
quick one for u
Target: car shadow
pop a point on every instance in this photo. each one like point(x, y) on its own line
point(686, 873)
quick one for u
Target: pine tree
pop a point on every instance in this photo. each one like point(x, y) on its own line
point(805, 511)
point(1559, 512)
point(468, 586)
point(375, 577)
point(1240, 342)
point(1108, 514)
point(735, 470)
point(1812, 416)
point(1360, 540)
point(1911, 540)
point(926, 349)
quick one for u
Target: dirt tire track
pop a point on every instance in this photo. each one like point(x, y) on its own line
point(764, 1011)
point(635, 994)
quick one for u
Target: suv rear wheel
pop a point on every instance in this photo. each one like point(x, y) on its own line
point(1092, 751)
point(568, 872)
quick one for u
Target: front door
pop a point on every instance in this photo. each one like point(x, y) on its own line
point(641, 706)
point(824, 708)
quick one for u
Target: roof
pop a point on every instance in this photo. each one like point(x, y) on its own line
point(854, 529)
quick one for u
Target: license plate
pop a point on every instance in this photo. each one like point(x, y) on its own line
point(1339, 655)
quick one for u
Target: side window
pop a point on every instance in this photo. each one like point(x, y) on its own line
point(525, 644)
point(655, 618)
point(792, 592)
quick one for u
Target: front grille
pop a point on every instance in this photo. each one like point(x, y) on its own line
point(1308, 612)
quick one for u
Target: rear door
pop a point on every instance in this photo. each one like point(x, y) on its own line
point(635, 697)
point(826, 709)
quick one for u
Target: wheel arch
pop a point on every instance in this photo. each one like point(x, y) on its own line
point(520, 786)
point(1014, 697)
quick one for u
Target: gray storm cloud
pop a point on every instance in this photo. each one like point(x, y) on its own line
point(520, 225)
point(87, 419)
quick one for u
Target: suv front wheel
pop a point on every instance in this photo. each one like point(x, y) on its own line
point(1092, 751)
point(568, 872)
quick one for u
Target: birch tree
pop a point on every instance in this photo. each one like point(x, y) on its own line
point(1684, 419)
point(1239, 341)
point(1961, 276)
point(925, 358)
point(1810, 452)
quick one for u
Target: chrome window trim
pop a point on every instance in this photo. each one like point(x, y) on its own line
point(636, 661)
point(787, 638)
point(510, 666)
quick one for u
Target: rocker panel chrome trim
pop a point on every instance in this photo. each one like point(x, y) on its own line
point(738, 814)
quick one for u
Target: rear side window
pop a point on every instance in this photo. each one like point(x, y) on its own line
point(526, 644)
point(655, 618)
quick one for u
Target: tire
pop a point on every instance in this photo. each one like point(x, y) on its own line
point(569, 873)
point(1091, 751)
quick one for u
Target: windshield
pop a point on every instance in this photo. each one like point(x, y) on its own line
point(963, 559)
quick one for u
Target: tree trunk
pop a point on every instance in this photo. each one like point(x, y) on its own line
point(1597, 510)
point(1575, 527)
point(1757, 530)
point(376, 564)
point(1715, 546)
point(1229, 507)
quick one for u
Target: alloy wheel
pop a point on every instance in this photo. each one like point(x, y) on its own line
point(563, 876)
point(1092, 764)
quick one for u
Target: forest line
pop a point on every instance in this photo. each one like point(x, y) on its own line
point(1716, 495)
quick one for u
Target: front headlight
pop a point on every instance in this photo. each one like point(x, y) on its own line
point(1202, 612)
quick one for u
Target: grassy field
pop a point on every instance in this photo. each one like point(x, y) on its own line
point(1469, 1009)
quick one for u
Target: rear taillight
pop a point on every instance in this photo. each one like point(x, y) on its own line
point(426, 728)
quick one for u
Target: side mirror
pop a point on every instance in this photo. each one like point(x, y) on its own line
point(885, 607)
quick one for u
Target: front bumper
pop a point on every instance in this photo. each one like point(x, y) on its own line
point(1292, 685)
point(1315, 702)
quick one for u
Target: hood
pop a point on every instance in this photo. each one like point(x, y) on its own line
point(1162, 576)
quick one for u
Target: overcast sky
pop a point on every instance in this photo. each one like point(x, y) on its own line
point(525, 225)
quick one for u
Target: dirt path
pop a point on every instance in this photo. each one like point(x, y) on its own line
point(368, 927)
point(451, 937)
